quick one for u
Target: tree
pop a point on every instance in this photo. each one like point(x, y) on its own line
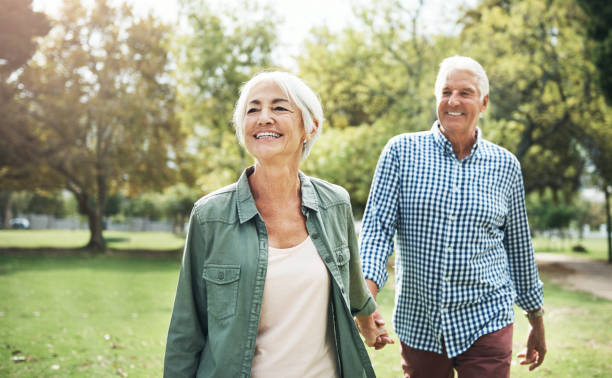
point(600, 18)
point(177, 202)
point(221, 50)
point(534, 54)
point(18, 27)
point(380, 71)
point(101, 106)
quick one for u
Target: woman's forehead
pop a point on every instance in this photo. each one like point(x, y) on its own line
point(266, 90)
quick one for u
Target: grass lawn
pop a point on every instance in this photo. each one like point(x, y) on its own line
point(596, 248)
point(78, 238)
point(100, 316)
point(577, 328)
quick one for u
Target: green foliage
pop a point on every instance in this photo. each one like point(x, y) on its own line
point(382, 69)
point(18, 27)
point(540, 75)
point(147, 205)
point(102, 106)
point(348, 157)
point(546, 212)
point(600, 19)
point(222, 49)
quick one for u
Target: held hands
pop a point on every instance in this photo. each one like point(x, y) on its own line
point(372, 327)
point(536, 345)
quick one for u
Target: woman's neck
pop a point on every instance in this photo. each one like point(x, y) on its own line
point(271, 182)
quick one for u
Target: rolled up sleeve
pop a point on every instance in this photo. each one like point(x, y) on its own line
point(521, 258)
point(380, 218)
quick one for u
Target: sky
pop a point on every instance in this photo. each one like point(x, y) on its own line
point(299, 16)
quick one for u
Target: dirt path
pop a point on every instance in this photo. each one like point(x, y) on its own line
point(578, 273)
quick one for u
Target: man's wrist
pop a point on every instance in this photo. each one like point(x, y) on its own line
point(532, 314)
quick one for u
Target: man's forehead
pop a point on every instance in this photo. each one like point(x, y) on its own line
point(458, 77)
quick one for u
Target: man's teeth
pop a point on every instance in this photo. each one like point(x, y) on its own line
point(454, 114)
point(267, 135)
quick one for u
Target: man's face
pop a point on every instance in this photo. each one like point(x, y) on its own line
point(459, 103)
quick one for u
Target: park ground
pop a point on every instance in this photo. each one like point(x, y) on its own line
point(80, 314)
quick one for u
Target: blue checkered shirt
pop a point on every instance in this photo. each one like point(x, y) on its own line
point(464, 253)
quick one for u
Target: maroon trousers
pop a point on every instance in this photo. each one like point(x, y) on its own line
point(489, 356)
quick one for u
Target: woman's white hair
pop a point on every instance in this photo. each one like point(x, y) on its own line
point(465, 63)
point(297, 90)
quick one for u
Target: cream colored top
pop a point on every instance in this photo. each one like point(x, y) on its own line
point(294, 338)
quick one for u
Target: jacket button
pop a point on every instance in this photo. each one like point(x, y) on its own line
point(339, 258)
point(329, 259)
point(220, 275)
point(315, 236)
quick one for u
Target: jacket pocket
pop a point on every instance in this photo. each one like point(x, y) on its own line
point(342, 255)
point(221, 289)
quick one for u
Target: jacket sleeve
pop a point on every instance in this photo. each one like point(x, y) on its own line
point(188, 327)
point(362, 303)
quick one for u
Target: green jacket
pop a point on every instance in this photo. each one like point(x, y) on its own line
point(218, 299)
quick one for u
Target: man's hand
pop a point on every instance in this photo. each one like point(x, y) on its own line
point(536, 345)
point(378, 324)
point(372, 327)
point(384, 338)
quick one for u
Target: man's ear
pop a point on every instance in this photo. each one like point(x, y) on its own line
point(485, 102)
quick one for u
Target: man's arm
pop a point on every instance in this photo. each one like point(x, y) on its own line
point(536, 341)
point(378, 230)
point(524, 272)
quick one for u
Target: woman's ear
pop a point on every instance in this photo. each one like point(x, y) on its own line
point(310, 135)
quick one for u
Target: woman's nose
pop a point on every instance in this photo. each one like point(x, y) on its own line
point(265, 117)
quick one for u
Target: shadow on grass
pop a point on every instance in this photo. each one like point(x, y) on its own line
point(13, 260)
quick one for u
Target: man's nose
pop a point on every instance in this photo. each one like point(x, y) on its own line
point(453, 99)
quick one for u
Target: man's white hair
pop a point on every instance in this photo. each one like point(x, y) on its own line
point(464, 63)
point(297, 91)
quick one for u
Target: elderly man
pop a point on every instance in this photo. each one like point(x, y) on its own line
point(464, 253)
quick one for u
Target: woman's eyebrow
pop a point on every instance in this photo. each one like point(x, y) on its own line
point(275, 101)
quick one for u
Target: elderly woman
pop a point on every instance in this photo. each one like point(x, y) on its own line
point(270, 277)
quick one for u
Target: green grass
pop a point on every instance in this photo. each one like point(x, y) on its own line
point(100, 316)
point(597, 248)
point(578, 335)
point(84, 316)
point(78, 238)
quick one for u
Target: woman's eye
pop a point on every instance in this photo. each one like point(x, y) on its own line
point(280, 109)
point(252, 110)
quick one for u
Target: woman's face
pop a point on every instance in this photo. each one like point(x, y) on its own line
point(273, 125)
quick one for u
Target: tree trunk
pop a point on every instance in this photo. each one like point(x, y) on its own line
point(609, 222)
point(96, 242)
point(8, 211)
point(94, 213)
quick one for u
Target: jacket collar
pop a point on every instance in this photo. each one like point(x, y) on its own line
point(246, 202)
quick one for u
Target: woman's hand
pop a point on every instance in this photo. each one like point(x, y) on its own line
point(372, 327)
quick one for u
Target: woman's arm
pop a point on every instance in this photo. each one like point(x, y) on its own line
point(188, 328)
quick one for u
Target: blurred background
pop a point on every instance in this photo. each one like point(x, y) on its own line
point(115, 118)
